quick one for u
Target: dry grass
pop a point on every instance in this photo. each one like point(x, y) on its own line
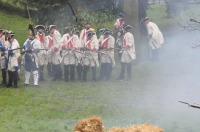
point(91, 124)
point(95, 124)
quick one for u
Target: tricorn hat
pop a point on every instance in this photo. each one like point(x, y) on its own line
point(10, 34)
point(90, 33)
point(51, 27)
point(120, 15)
point(144, 19)
point(40, 27)
point(101, 30)
point(106, 31)
point(126, 27)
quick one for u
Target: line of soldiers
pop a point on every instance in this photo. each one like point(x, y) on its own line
point(74, 50)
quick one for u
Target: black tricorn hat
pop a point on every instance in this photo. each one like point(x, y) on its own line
point(51, 27)
point(90, 33)
point(120, 15)
point(40, 27)
point(106, 31)
point(126, 27)
point(101, 30)
point(144, 19)
point(10, 34)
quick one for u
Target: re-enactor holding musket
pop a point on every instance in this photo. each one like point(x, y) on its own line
point(49, 45)
point(4, 44)
point(13, 56)
point(128, 53)
point(69, 47)
point(42, 53)
point(91, 55)
point(155, 38)
point(30, 49)
point(107, 54)
point(55, 51)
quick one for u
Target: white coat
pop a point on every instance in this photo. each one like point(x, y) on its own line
point(56, 58)
point(13, 60)
point(156, 38)
point(91, 58)
point(107, 53)
point(128, 50)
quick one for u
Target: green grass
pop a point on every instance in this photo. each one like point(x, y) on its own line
point(57, 106)
point(17, 24)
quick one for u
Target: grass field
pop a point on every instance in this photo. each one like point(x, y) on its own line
point(15, 23)
point(151, 97)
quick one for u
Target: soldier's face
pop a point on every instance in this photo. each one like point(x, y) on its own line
point(30, 37)
point(146, 22)
point(89, 37)
point(41, 31)
point(87, 26)
point(11, 40)
point(70, 33)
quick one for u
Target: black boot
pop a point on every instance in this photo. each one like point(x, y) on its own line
point(18, 78)
point(4, 81)
point(79, 69)
point(41, 70)
point(121, 77)
point(66, 73)
point(129, 71)
point(15, 79)
point(10, 79)
point(58, 71)
point(108, 71)
point(72, 73)
point(85, 70)
point(94, 74)
point(49, 69)
point(102, 70)
point(54, 72)
point(59, 75)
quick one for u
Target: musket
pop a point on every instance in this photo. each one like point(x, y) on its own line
point(195, 46)
point(14, 49)
point(32, 50)
point(191, 105)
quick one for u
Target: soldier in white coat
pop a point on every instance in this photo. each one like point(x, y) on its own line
point(128, 53)
point(83, 34)
point(79, 55)
point(4, 44)
point(91, 56)
point(13, 55)
point(30, 50)
point(155, 38)
point(41, 55)
point(119, 22)
point(69, 45)
point(49, 45)
point(107, 54)
point(55, 51)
